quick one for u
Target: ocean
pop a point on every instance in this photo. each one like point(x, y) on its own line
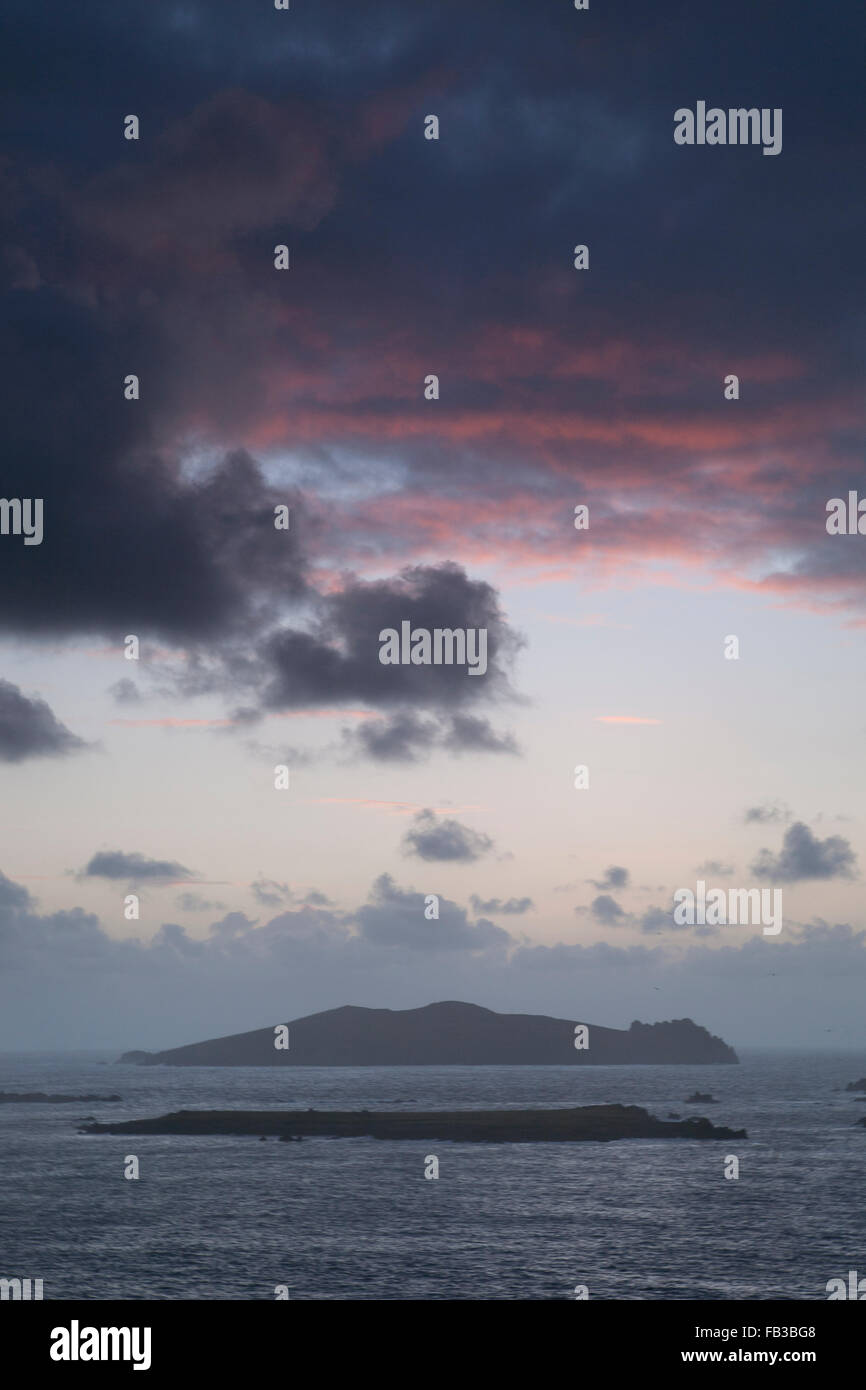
point(230, 1218)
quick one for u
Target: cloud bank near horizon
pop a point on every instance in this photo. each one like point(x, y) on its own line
point(68, 984)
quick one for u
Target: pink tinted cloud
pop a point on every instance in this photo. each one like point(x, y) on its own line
point(679, 480)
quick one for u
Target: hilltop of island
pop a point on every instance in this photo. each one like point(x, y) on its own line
point(601, 1123)
point(447, 1034)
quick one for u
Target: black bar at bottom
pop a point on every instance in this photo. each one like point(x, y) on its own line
point(226, 1338)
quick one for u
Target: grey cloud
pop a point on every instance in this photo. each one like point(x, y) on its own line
point(339, 658)
point(770, 813)
point(659, 919)
point(472, 733)
point(511, 908)
point(194, 902)
point(29, 729)
point(407, 737)
point(125, 692)
point(403, 737)
point(395, 917)
point(803, 856)
point(13, 897)
point(656, 919)
point(270, 893)
point(607, 910)
point(444, 840)
point(67, 983)
point(228, 928)
point(615, 877)
point(115, 864)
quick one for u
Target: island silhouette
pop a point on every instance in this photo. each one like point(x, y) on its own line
point(598, 1123)
point(449, 1033)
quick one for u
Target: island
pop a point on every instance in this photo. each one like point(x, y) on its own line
point(857, 1085)
point(599, 1123)
point(447, 1034)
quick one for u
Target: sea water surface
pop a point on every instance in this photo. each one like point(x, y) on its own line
point(233, 1218)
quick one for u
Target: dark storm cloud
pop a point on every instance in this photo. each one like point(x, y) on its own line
point(157, 257)
point(535, 97)
point(340, 659)
point(29, 729)
point(395, 917)
point(804, 856)
point(615, 877)
point(172, 204)
point(444, 841)
point(131, 544)
point(114, 864)
point(511, 907)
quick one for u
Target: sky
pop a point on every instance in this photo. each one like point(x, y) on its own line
point(609, 646)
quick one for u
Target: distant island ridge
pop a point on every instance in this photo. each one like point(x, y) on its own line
point(449, 1033)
